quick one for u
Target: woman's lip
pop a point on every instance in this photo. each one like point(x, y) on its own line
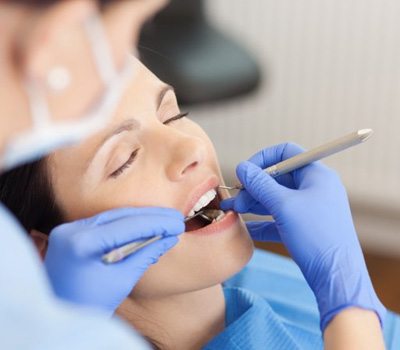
point(211, 183)
point(227, 221)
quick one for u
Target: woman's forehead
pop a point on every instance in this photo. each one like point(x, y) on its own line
point(142, 98)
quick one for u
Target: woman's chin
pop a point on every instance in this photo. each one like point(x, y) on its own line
point(198, 261)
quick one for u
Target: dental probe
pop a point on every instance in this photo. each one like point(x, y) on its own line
point(307, 157)
point(130, 248)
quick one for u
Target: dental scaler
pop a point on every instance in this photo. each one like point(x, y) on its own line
point(308, 157)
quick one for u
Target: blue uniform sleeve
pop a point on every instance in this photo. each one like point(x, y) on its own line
point(278, 280)
point(32, 318)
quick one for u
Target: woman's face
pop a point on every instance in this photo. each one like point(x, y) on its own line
point(146, 157)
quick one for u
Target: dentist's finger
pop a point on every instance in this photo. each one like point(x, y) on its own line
point(145, 257)
point(107, 237)
point(261, 186)
point(243, 203)
point(227, 204)
point(263, 231)
point(275, 154)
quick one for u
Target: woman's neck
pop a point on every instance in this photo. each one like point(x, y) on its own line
point(183, 321)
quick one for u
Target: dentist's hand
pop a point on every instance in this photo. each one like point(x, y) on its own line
point(313, 220)
point(73, 258)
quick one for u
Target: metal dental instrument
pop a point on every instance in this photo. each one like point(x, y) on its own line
point(313, 155)
point(130, 248)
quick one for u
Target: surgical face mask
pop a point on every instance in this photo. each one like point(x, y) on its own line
point(45, 136)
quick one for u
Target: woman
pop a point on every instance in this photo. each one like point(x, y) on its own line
point(151, 154)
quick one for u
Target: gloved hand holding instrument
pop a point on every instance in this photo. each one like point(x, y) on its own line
point(74, 255)
point(312, 219)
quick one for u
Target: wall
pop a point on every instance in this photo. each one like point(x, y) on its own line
point(330, 67)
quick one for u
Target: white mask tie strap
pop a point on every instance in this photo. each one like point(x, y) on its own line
point(100, 48)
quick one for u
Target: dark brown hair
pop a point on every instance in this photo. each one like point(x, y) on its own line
point(28, 193)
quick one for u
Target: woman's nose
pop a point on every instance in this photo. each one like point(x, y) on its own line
point(186, 156)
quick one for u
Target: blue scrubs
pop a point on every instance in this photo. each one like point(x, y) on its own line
point(251, 323)
point(32, 318)
point(275, 309)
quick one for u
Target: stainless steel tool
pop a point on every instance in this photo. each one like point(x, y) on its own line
point(130, 248)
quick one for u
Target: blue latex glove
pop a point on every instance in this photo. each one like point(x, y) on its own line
point(73, 258)
point(313, 219)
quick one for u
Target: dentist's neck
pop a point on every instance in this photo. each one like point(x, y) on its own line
point(183, 321)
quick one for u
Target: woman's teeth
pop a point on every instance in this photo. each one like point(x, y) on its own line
point(204, 200)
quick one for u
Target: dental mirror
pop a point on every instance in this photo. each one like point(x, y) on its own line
point(211, 214)
point(120, 253)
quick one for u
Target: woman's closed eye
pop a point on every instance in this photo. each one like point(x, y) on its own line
point(126, 165)
point(177, 117)
point(133, 155)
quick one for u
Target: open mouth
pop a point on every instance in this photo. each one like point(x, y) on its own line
point(210, 200)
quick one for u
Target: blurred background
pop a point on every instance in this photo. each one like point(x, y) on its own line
point(308, 71)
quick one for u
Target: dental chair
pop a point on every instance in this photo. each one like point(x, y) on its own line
point(203, 64)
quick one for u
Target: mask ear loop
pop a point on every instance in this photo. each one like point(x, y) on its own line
point(38, 106)
point(100, 47)
point(115, 81)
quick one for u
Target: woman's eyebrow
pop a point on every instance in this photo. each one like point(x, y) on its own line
point(132, 123)
point(126, 125)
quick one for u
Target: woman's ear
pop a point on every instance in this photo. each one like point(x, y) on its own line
point(41, 240)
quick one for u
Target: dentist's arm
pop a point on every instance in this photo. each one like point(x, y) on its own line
point(73, 259)
point(313, 220)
